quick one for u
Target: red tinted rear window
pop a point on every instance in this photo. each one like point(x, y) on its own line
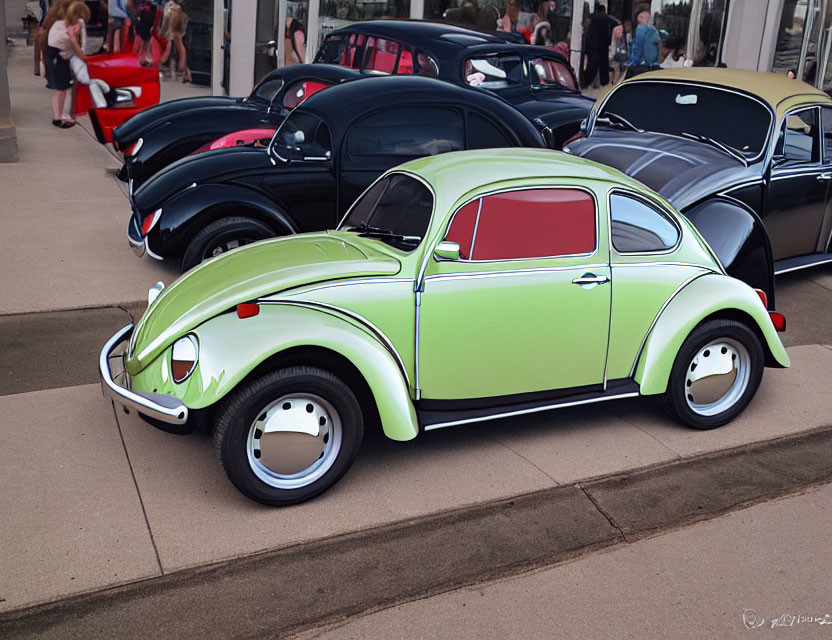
point(535, 223)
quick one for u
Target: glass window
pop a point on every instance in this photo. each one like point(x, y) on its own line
point(550, 73)
point(380, 55)
point(336, 14)
point(300, 91)
point(427, 66)
point(826, 116)
point(800, 137)
point(407, 131)
point(493, 72)
point(461, 230)
point(676, 108)
point(267, 89)
point(484, 134)
point(303, 136)
point(800, 21)
point(534, 223)
point(396, 210)
point(638, 227)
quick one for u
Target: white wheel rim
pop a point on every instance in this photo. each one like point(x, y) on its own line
point(717, 377)
point(294, 441)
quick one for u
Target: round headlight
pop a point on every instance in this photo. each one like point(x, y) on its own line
point(183, 357)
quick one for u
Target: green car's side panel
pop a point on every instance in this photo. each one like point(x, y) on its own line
point(241, 276)
point(388, 304)
point(230, 348)
point(485, 332)
point(701, 298)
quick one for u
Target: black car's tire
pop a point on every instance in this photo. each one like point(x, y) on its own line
point(265, 432)
point(223, 235)
point(715, 375)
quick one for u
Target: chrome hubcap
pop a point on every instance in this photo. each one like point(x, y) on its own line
point(294, 441)
point(717, 377)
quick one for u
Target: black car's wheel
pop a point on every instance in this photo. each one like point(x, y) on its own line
point(288, 436)
point(222, 236)
point(715, 375)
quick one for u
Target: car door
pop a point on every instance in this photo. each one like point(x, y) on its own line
point(387, 137)
point(798, 190)
point(134, 88)
point(526, 307)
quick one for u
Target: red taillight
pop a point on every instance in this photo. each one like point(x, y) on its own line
point(247, 310)
point(778, 320)
point(150, 221)
point(763, 297)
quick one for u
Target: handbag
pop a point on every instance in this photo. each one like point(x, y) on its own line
point(619, 50)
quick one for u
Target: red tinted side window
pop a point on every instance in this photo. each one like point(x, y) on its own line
point(461, 230)
point(380, 55)
point(535, 223)
point(405, 67)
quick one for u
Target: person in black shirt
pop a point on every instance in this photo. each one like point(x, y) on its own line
point(598, 38)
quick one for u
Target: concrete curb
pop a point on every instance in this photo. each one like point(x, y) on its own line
point(345, 575)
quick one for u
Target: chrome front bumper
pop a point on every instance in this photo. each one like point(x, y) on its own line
point(155, 405)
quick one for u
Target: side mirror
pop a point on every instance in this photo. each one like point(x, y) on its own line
point(446, 250)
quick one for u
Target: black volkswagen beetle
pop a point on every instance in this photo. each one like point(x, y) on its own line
point(537, 81)
point(745, 155)
point(326, 152)
point(154, 138)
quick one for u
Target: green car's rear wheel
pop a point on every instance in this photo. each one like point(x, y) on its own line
point(288, 436)
point(715, 375)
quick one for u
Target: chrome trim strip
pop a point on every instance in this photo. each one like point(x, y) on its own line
point(509, 414)
point(797, 173)
point(741, 185)
point(803, 266)
point(476, 226)
point(517, 272)
point(618, 265)
point(332, 285)
point(149, 252)
point(173, 411)
point(416, 389)
point(658, 315)
point(322, 306)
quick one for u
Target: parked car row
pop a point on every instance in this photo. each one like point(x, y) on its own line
point(440, 263)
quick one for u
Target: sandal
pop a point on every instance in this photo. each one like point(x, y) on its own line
point(57, 123)
point(66, 124)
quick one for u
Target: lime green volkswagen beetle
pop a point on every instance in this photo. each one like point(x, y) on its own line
point(458, 288)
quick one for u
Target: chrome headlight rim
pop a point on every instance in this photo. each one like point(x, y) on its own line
point(184, 351)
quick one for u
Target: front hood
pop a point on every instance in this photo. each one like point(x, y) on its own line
point(144, 121)
point(246, 274)
point(210, 166)
point(682, 171)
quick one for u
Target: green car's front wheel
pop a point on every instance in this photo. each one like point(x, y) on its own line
point(289, 435)
point(715, 375)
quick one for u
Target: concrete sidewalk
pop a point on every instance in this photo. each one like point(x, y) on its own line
point(96, 502)
point(64, 242)
point(733, 577)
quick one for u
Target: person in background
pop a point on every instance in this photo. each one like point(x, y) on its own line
point(508, 22)
point(644, 54)
point(118, 12)
point(671, 53)
point(294, 42)
point(56, 12)
point(618, 54)
point(145, 20)
point(63, 42)
point(598, 38)
point(174, 28)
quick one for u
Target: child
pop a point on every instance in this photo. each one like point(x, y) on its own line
point(174, 27)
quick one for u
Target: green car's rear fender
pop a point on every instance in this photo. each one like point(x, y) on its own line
point(707, 295)
point(230, 348)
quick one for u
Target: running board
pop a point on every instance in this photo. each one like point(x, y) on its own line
point(801, 262)
point(439, 419)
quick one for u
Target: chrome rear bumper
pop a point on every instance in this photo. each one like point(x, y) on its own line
point(155, 405)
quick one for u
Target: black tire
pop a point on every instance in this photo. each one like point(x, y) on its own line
point(220, 233)
point(237, 418)
point(676, 398)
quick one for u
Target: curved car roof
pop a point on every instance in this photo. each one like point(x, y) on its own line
point(455, 174)
point(778, 90)
point(319, 71)
point(442, 40)
point(342, 103)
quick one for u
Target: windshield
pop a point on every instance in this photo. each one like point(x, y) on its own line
point(730, 118)
point(302, 136)
point(266, 90)
point(396, 210)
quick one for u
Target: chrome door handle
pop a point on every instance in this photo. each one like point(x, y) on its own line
point(824, 177)
point(590, 280)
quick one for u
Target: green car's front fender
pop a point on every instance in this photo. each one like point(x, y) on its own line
point(703, 297)
point(230, 348)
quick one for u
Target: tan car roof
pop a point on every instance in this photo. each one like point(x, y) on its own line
point(778, 90)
